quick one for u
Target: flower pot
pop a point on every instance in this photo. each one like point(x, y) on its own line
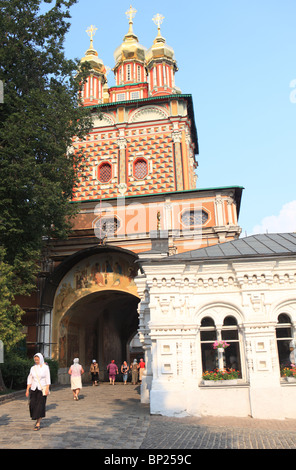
point(213, 383)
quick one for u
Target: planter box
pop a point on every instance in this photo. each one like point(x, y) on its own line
point(213, 383)
point(291, 379)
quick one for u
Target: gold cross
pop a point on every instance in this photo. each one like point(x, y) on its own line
point(131, 13)
point(91, 31)
point(158, 19)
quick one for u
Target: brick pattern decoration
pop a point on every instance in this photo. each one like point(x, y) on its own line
point(155, 145)
point(157, 149)
point(98, 150)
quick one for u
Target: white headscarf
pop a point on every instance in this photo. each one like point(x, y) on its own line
point(40, 357)
point(76, 362)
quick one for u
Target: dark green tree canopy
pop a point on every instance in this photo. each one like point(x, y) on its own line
point(38, 119)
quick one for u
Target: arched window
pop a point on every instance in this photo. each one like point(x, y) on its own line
point(105, 172)
point(228, 358)
point(208, 336)
point(284, 340)
point(230, 335)
point(140, 168)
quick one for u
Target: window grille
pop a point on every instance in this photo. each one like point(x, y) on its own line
point(120, 97)
point(194, 217)
point(135, 95)
point(107, 226)
point(105, 173)
point(140, 168)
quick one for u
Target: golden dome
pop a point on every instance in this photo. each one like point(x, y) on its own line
point(130, 49)
point(91, 54)
point(160, 49)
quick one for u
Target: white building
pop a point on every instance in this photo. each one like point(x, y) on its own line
point(242, 291)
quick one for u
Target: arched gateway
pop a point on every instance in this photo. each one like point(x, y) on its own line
point(94, 313)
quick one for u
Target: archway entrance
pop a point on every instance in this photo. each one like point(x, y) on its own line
point(99, 326)
point(95, 311)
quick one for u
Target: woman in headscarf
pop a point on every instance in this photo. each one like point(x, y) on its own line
point(94, 370)
point(76, 370)
point(134, 369)
point(113, 370)
point(38, 383)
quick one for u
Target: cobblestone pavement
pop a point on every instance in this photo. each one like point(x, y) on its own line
point(112, 417)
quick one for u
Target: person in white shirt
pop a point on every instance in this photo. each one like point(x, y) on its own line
point(38, 383)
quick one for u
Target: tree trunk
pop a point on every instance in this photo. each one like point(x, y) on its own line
point(2, 384)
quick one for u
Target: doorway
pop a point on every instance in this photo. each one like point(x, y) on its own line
point(99, 326)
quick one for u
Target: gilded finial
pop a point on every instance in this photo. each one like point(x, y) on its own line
point(158, 19)
point(131, 13)
point(91, 31)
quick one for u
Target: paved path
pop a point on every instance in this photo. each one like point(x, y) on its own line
point(112, 417)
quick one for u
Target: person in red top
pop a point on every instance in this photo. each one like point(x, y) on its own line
point(141, 369)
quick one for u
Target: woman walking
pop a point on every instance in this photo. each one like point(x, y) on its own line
point(76, 370)
point(134, 368)
point(94, 370)
point(38, 383)
point(124, 371)
point(113, 370)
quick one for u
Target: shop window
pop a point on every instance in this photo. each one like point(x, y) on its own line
point(105, 172)
point(285, 340)
point(140, 168)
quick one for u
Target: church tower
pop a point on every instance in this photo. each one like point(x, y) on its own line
point(144, 144)
point(138, 199)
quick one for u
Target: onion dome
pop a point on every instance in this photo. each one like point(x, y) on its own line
point(130, 51)
point(93, 88)
point(161, 63)
point(91, 54)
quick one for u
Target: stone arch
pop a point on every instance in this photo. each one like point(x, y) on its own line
point(103, 121)
point(148, 113)
point(287, 306)
point(91, 289)
point(218, 311)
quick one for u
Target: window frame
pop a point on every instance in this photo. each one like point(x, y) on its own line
point(289, 340)
point(220, 357)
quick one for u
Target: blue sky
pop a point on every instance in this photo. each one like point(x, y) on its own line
point(237, 59)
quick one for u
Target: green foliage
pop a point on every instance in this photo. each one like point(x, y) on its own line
point(221, 374)
point(10, 314)
point(15, 371)
point(16, 368)
point(38, 119)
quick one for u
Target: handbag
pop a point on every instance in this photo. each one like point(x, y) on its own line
point(43, 389)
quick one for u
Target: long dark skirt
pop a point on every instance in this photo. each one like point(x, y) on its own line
point(37, 404)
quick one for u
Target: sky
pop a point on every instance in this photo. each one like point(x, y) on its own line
point(237, 60)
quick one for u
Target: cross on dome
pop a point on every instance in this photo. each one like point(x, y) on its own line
point(158, 19)
point(91, 31)
point(131, 13)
